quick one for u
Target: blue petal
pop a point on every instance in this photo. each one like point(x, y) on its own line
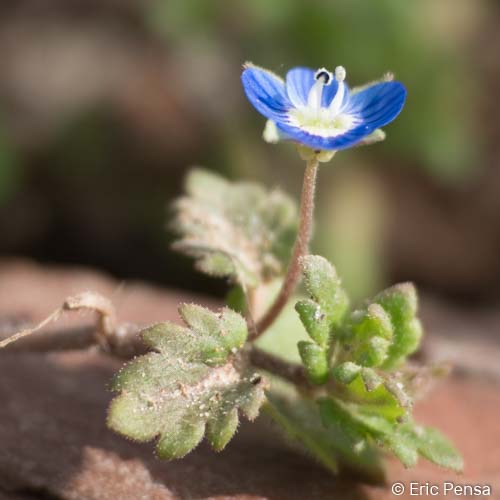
point(343, 141)
point(266, 92)
point(378, 104)
point(329, 92)
point(298, 84)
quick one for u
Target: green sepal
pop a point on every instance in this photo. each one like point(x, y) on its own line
point(377, 135)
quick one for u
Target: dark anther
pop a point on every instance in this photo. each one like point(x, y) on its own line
point(323, 75)
point(256, 380)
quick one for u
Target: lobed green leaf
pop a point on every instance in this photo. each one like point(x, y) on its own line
point(193, 384)
point(235, 230)
point(365, 402)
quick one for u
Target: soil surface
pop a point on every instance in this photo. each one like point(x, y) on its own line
point(55, 444)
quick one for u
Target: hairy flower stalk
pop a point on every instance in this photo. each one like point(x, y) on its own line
point(316, 110)
point(300, 248)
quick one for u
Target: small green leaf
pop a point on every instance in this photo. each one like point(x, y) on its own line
point(398, 390)
point(370, 379)
point(315, 322)
point(400, 302)
point(218, 265)
point(373, 427)
point(235, 230)
point(178, 444)
point(375, 398)
point(221, 429)
point(438, 449)
point(333, 413)
point(325, 287)
point(410, 440)
point(373, 321)
point(195, 381)
point(346, 372)
point(368, 336)
point(233, 330)
point(383, 332)
point(372, 352)
point(332, 445)
point(403, 447)
point(315, 359)
point(216, 335)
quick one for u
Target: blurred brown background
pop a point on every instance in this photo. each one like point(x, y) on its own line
point(104, 105)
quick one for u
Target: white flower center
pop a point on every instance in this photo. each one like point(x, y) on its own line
point(320, 120)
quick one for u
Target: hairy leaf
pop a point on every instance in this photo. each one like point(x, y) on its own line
point(194, 383)
point(325, 288)
point(315, 359)
point(371, 392)
point(409, 440)
point(366, 401)
point(236, 230)
point(435, 447)
point(406, 440)
point(335, 446)
point(400, 302)
point(383, 332)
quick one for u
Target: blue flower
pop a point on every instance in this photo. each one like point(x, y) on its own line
point(317, 109)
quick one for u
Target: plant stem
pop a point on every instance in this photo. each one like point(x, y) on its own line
point(126, 343)
point(292, 372)
point(300, 249)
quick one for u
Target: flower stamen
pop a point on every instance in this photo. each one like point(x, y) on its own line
point(336, 104)
point(322, 77)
